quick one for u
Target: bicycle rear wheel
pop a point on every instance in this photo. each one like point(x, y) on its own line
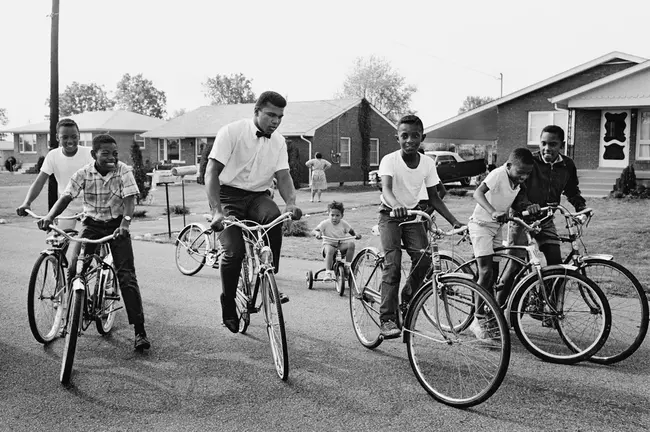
point(243, 293)
point(628, 304)
point(571, 330)
point(452, 365)
point(108, 304)
point(73, 330)
point(46, 298)
point(192, 246)
point(275, 324)
point(365, 296)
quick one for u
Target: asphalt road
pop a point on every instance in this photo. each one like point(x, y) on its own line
point(199, 376)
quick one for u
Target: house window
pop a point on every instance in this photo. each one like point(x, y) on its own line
point(538, 120)
point(643, 145)
point(344, 149)
point(173, 149)
point(373, 158)
point(161, 150)
point(86, 139)
point(27, 143)
point(139, 139)
point(200, 146)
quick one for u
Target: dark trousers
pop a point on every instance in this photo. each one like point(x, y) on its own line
point(123, 261)
point(254, 206)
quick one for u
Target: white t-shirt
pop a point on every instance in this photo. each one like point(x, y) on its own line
point(250, 162)
point(63, 167)
point(340, 230)
point(501, 194)
point(407, 182)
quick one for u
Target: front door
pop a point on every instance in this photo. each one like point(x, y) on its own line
point(614, 139)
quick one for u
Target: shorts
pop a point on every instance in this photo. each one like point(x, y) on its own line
point(485, 237)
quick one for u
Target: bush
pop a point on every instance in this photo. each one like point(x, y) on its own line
point(139, 213)
point(39, 164)
point(177, 210)
point(139, 172)
point(626, 183)
point(295, 229)
point(457, 192)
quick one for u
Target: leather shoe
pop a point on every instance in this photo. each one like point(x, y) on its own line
point(141, 342)
point(229, 314)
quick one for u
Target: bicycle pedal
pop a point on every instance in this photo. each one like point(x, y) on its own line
point(284, 299)
point(114, 297)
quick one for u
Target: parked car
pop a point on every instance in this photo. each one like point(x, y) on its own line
point(451, 168)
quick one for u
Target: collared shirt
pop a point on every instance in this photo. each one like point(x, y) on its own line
point(250, 162)
point(103, 198)
point(558, 159)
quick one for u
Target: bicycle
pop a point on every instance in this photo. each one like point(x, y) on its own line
point(558, 314)
point(258, 276)
point(450, 363)
point(197, 246)
point(340, 275)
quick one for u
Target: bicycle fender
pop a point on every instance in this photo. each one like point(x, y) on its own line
point(456, 275)
point(606, 257)
point(561, 266)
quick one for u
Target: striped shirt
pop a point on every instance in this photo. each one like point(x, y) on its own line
point(103, 197)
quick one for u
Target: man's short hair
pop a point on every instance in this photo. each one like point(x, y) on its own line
point(337, 205)
point(411, 119)
point(271, 97)
point(521, 156)
point(554, 129)
point(65, 123)
point(102, 139)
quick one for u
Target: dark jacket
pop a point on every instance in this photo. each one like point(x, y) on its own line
point(203, 163)
point(548, 182)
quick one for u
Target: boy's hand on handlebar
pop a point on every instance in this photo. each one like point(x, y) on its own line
point(217, 221)
point(358, 236)
point(318, 235)
point(295, 210)
point(121, 232)
point(44, 223)
point(21, 210)
point(400, 211)
point(499, 216)
point(533, 209)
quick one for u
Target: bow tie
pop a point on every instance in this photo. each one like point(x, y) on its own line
point(262, 134)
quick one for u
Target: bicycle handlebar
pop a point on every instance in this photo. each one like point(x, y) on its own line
point(257, 227)
point(74, 216)
point(338, 238)
point(429, 219)
point(82, 240)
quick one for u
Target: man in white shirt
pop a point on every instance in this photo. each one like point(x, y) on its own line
point(245, 158)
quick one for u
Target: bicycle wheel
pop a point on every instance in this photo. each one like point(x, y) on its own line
point(243, 294)
point(365, 296)
point(46, 297)
point(628, 304)
point(339, 270)
point(275, 325)
point(73, 330)
point(569, 331)
point(192, 246)
point(453, 366)
point(107, 305)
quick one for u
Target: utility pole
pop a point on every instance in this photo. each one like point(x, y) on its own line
point(501, 79)
point(52, 193)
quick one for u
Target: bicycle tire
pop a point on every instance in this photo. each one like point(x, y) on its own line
point(455, 367)
point(629, 306)
point(339, 270)
point(106, 308)
point(563, 339)
point(46, 297)
point(192, 245)
point(365, 296)
point(275, 324)
point(72, 334)
point(243, 293)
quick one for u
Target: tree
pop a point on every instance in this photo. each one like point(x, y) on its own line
point(472, 102)
point(375, 79)
point(177, 113)
point(4, 119)
point(78, 98)
point(225, 90)
point(137, 94)
point(139, 172)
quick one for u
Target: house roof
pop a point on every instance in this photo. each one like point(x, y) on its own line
point(627, 87)
point(480, 123)
point(6, 145)
point(100, 121)
point(300, 118)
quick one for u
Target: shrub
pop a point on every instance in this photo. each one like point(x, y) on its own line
point(457, 192)
point(626, 183)
point(295, 229)
point(139, 172)
point(39, 164)
point(177, 210)
point(139, 213)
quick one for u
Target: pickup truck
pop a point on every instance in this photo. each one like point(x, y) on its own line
point(451, 168)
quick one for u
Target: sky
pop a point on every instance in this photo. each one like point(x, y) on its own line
point(304, 49)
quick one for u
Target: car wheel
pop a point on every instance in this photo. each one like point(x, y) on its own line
point(465, 181)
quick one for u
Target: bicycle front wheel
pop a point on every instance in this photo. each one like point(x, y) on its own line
point(629, 306)
point(572, 327)
point(275, 324)
point(365, 296)
point(107, 305)
point(46, 298)
point(450, 362)
point(192, 245)
point(73, 329)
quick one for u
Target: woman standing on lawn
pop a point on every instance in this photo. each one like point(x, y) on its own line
point(318, 167)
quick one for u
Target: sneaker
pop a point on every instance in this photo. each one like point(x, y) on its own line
point(141, 342)
point(389, 329)
point(477, 328)
point(484, 327)
point(229, 314)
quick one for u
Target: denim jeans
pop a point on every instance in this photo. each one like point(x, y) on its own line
point(254, 206)
point(123, 261)
point(414, 237)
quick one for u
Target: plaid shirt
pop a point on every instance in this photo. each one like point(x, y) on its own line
point(103, 196)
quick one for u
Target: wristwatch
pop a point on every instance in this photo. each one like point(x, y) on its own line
point(127, 218)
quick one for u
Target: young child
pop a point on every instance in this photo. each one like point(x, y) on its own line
point(335, 227)
point(403, 173)
point(109, 200)
point(494, 196)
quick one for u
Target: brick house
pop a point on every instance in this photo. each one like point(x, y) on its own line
point(603, 106)
point(330, 127)
point(32, 141)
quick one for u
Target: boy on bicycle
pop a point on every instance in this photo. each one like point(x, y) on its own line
point(402, 174)
point(335, 227)
point(109, 200)
point(494, 196)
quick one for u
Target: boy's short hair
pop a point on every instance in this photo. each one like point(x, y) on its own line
point(66, 122)
point(554, 129)
point(271, 97)
point(336, 205)
point(411, 119)
point(102, 139)
point(521, 156)
point(318, 155)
